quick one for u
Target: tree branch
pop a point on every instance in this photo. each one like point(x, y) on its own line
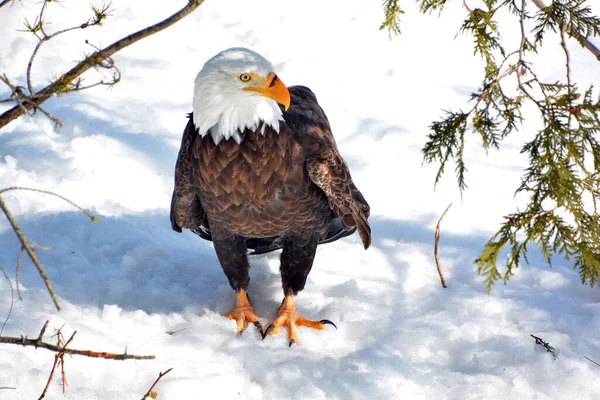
point(2, 4)
point(25, 245)
point(435, 247)
point(58, 358)
point(30, 253)
point(25, 341)
point(91, 61)
point(586, 43)
point(12, 300)
point(150, 392)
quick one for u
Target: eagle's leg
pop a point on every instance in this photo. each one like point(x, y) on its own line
point(296, 262)
point(232, 254)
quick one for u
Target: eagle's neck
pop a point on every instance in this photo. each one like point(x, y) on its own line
point(225, 115)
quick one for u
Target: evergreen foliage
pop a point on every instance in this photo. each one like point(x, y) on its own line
point(562, 181)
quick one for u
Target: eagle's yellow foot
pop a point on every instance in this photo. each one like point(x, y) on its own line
point(287, 315)
point(243, 313)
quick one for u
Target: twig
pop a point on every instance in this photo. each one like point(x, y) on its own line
point(546, 345)
point(24, 243)
point(92, 217)
point(30, 253)
point(592, 361)
point(586, 43)
point(2, 4)
point(25, 341)
point(18, 273)
point(49, 378)
point(435, 247)
point(62, 363)
point(57, 358)
point(94, 60)
point(149, 392)
point(12, 299)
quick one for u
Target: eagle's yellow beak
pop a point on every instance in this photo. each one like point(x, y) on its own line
point(271, 87)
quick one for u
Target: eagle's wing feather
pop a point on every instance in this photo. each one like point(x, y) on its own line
point(330, 173)
point(186, 209)
point(326, 167)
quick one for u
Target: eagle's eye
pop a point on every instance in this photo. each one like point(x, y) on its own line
point(245, 77)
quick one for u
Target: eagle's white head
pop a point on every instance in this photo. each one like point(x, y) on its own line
point(236, 90)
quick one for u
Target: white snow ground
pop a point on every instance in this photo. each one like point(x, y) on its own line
point(127, 280)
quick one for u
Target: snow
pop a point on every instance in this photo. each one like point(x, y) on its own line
point(127, 280)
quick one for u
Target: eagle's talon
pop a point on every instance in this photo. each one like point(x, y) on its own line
point(288, 316)
point(327, 322)
point(258, 326)
point(269, 329)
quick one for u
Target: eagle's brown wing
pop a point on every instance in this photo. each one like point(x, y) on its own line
point(186, 209)
point(326, 167)
point(329, 172)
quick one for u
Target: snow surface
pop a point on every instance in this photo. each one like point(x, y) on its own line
point(128, 280)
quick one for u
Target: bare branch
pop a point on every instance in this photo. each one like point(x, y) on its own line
point(16, 95)
point(2, 4)
point(24, 341)
point(92, 217)
point(150, 392)
point(58, 358)
point(18, 272)
point(91, 61)
point(30, 253)
point(435, 247)
point(24, 243)
point(592, 361)
point(12, 299)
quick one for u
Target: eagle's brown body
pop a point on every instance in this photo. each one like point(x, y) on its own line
point(289, 190)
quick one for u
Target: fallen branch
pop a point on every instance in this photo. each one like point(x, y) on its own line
point(546, 345)
point(435, 247)
point(25, 341)
point(58, 358)
point(25, 245)
point(592, 361)
point(150, 393)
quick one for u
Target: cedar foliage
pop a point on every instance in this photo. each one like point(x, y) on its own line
point(562, 181)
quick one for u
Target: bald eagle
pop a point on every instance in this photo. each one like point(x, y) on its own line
point(259, 170)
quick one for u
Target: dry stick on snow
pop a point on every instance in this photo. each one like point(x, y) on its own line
point(586, 43)
point(150, 393)
point(28, 247)
point(93, 60)
point(592, 361)
point(58, 358)
point(435, 247)
point(25, 341)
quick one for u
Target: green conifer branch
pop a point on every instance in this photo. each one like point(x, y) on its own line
point(392, 13)
point(562, 182)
